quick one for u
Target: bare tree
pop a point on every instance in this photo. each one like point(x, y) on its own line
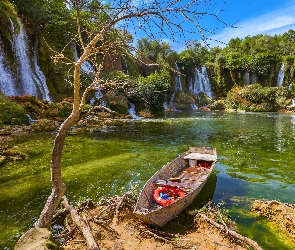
point(109, 35)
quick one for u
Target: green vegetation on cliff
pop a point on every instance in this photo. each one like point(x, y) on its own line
point(52, 24)
point(257, 98)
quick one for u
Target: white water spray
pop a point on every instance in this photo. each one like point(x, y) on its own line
point(201, 82)
point(26, 76)
point(7, 83)
point(281, 76)
point(250, 78)
point(132, 112)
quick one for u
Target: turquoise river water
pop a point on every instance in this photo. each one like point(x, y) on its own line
point(255, 161)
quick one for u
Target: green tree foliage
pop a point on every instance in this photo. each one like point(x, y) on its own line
point(258, 53)
point(154, 50)
point(52, 19)
point(193, 56)
point(152, 90)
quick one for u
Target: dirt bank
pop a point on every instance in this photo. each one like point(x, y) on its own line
point(280, 217)
point(114, 226)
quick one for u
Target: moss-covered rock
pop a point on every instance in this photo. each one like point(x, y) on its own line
point(117, 101)
point(44, 125)
point(12, 113)
point(183, 101)
point(36, 238)
point(39, 109)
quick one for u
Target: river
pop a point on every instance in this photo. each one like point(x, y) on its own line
point(255, 161)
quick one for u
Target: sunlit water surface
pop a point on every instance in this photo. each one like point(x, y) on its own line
point(255, 161)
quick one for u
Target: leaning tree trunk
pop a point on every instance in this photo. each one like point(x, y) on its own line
point(58, 187)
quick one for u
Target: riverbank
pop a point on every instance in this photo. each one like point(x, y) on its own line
point(110, 224)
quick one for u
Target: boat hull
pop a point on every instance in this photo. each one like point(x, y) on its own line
point(150, 213)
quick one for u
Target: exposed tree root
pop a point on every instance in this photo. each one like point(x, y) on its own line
point(81, 224)
point(156, 237)
point(105, 226)
point(119, 205)
point(232, 233)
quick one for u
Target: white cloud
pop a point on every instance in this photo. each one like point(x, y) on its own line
point(271, 23)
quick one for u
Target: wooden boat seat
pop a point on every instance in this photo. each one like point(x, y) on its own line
point(181, 185)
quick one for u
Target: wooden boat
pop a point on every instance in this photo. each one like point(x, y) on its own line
point(185, 176)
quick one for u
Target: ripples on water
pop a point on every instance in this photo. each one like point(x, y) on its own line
point(255, 160)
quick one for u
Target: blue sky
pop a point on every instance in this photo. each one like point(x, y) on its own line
point(251, 17)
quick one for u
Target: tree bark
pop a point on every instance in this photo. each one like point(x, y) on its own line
point(58, 187)
point(81, 225)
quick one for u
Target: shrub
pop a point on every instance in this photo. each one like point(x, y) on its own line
point(12, 113)
point(64, 109)
point(152, 90)
point(257, 98)
point(217, 105)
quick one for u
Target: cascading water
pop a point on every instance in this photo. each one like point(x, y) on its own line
point(7, 83)
point(201, 82)
point(41, 79)
point(32, 80)
point(178, 87)
point(281, 76)
point(166, 106)
point(250, 78)
point(86, 66)
point(132, 112)
point(194, 106)
point(247, 78)
point(26, 76)
point(98, 96)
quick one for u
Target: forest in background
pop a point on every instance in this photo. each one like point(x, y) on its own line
point(249, 61)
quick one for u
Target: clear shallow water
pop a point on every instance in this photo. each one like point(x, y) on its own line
point(255, 160)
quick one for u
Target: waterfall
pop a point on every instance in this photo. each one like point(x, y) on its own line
point(132, 112)
point(201, 82)
point(99, 96)
point(86, 66)
point(26, 76)
point(247, 78)
point(7, 83)
point(281, 76)
point(166, 107)
point(250, 78)
point(171, 104)
point(194, 106)
point(41, 79)
point(178, 85)
point(32, 79)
